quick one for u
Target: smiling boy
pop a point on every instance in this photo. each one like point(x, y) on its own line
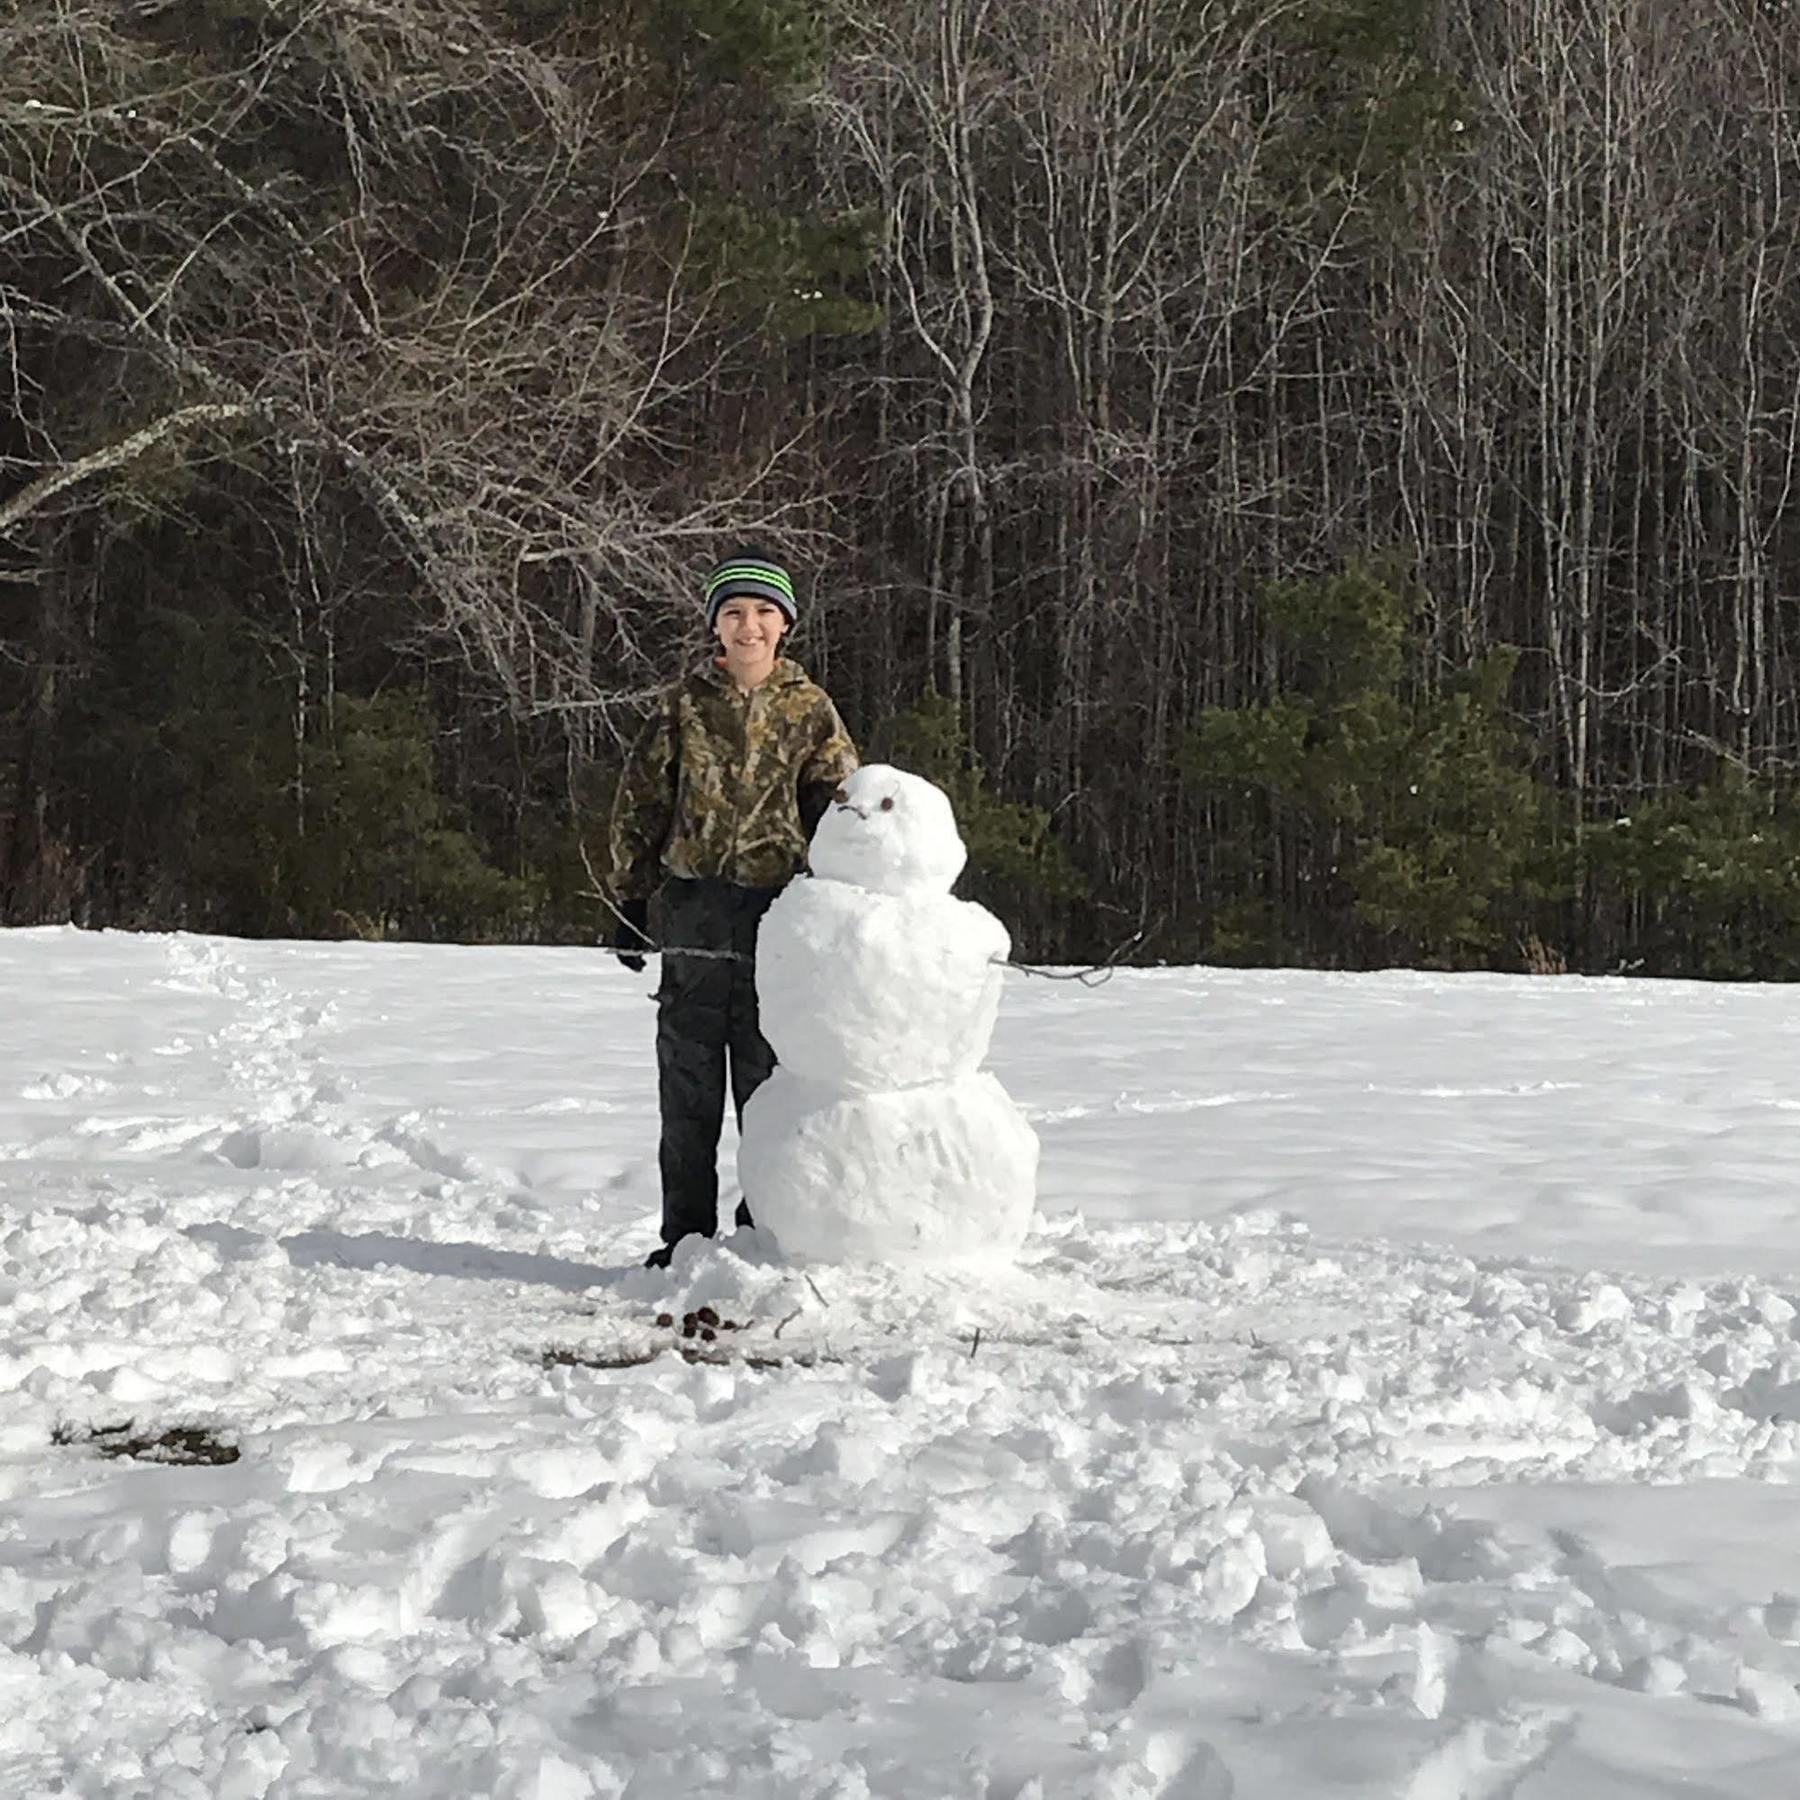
point(713, 814)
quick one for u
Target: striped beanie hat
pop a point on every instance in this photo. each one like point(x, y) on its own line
point(749, 573)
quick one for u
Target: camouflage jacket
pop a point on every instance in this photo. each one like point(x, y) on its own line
point(727, 784)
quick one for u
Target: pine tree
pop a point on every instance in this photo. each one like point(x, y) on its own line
point(1415, 809)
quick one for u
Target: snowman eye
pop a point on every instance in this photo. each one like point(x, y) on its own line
point(887, 804)
point(842, 796)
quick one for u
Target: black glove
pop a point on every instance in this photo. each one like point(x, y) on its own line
point(631, 934)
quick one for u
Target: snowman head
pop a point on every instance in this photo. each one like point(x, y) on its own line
point(890, 832)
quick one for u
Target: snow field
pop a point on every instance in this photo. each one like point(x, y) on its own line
point(1258, 1500)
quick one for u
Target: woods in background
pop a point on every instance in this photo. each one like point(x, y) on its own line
point(1312, 478)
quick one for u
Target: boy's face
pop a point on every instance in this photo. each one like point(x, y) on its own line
point(749, 630)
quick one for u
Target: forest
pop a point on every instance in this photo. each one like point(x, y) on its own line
point(1314, 479)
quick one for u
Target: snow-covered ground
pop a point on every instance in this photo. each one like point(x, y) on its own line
point(1400, 1398)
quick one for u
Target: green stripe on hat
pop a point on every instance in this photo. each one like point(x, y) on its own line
point(772, 573)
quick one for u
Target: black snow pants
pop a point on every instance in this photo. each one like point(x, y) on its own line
point(705, 1017)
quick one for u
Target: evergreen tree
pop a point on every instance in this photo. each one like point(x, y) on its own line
point(1414, 808)
point(1016, 867)
point(1703, 882)
point(780, 43)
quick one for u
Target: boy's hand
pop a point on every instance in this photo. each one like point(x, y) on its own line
point(631, 934)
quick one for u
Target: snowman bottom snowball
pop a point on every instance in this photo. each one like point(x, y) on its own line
point(942, 1173)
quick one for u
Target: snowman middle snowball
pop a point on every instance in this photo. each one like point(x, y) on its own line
point(876, 1137)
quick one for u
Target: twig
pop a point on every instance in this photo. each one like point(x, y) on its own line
point(975, 1343)
point(785, 1323)
point(816, 1294)
point(1095, 973)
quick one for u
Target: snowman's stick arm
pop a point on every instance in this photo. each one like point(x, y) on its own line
point(1090, 976)
point(1095, 973)
point(648, 946)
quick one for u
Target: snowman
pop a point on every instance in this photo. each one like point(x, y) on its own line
point(879, 1137)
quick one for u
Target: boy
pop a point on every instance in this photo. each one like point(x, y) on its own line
point(717, 803)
